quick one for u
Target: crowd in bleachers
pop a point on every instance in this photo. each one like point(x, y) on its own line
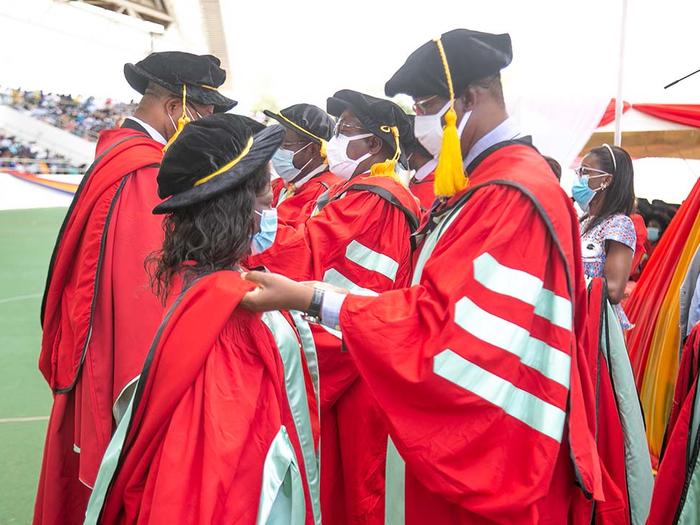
point(82, 116)
point(29, 157)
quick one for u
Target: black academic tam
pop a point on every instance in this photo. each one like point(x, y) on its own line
point(471, 55)
point(201, 74)
point(212, 156)
point(377, 116)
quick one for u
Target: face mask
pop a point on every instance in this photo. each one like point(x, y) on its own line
point(283, 162)
point(337, 153)
point(582, 193)
point(653, 233)
point(172, 122)
point(428, 129)
point(262, 240)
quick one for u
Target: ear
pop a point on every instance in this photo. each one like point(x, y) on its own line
point(375, 144)
point(172, 105)
point(467, 98)
point(314, 150)
point(607, 181)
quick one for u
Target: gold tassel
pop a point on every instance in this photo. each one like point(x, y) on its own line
point(388, 167)
point(449, 173)
point(181, 122)
point(324, 155)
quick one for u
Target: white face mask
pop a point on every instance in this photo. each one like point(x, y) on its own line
point(337, 153)
point(428, 129)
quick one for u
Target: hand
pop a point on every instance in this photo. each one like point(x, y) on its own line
point(276, 292)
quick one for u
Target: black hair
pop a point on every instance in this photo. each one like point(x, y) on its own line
point(493, 85)
point(619, 196)
point(554, 165)
point(207, 236)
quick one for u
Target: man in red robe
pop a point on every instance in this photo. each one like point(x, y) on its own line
point(359, 239)
point(219, 429)
point(479, 366)
point(422, 182)
point(300, 162)
point(98, 312)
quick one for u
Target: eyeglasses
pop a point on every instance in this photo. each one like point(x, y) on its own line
point(583, 171)
point(343, 128)
point(428, 106)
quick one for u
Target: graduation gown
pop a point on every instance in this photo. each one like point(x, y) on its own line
point(294, 204)
point(219, 429)
point(479, 366)
point(677, 488)
point(98, 315)
point(424, 190)
point(621, 439)
point(359, 240)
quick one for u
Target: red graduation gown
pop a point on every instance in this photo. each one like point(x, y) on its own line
point(294, 205)
point(98, 315)
point(479, 366)
point(210, 406)
point(359, 240)
point(677, 461)
point(424, 190)
point(277, 185)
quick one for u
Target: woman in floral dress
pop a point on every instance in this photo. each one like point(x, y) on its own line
point(604, 190)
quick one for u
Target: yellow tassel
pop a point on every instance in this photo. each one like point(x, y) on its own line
point(181, 122)
point(388, 167)
point(323, 149)
point(449, 173)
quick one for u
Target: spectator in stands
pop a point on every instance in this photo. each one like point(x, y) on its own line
point(656, 225)
point(85, 118)
point(28, 157)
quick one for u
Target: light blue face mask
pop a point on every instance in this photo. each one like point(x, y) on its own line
point(582, 193)
point(264, 238)
point(653, 233)
point(283, 162)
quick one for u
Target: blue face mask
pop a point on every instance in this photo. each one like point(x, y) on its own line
point(283, 162)
point(653, 233)
point(582, 193)
point(262, 240)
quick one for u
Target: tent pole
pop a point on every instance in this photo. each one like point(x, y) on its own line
point(619, 102)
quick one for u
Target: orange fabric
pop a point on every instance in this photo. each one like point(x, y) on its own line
point(673, 470)
point(65, 187)
point(653, 307)
point(645, 302)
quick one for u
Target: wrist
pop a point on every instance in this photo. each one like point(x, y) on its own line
point(314, 304)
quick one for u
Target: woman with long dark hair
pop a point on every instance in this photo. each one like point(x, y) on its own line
point(219, 428)
point(604, 190)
